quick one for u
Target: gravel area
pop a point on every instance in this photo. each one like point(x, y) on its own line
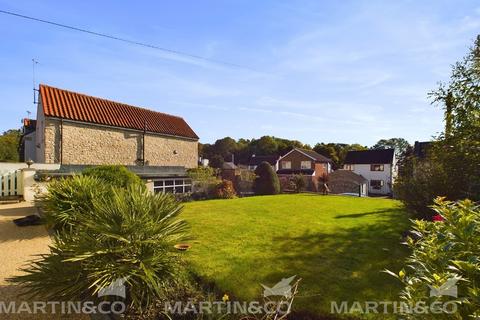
point(17, 247)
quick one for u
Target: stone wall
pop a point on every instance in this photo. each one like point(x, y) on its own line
point(92, 144)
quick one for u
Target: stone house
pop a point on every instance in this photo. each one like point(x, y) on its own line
point(74, 130)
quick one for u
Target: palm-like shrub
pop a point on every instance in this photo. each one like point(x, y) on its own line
point(115, 175)
point(266, 181)
point(445, 250)
point(128, 235)
point(68, 199)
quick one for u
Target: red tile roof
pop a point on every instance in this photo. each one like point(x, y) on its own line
point(63, 104)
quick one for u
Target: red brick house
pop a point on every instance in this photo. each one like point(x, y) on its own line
point(304, 162)
point(307, 163)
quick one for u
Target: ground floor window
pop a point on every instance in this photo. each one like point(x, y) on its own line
point(172, 185)
point(376, 184)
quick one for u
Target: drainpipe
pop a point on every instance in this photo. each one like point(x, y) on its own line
point(143, 142)
point(61, 141)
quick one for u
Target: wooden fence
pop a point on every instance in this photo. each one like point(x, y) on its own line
point(11, 184)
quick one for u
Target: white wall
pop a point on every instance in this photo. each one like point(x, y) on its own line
point(385, 175)
point(30, 151)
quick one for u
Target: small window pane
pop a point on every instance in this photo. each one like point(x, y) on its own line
point(305, 165)
point(169, 182)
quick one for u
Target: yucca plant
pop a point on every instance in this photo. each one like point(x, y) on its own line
point(68, 199)
point(129, 234)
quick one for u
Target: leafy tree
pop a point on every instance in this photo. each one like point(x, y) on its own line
point(419, 183)
point(456, 152)
point(9, 144)
point(216, 161)
point(225, 147)
point(336, 151)
point(458, 148)
point(399, 144)
point(266, 181)
point(266, 145)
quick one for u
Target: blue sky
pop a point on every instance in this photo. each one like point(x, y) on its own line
point(316, 71)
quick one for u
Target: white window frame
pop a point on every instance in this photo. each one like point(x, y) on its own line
point(286, 164)
point(381, 167)
point(349, 167)
point(306, 164)
point(160, 185)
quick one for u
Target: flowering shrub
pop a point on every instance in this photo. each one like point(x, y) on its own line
point(445, 253)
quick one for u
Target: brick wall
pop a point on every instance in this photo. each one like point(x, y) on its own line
point(90, 144)
point(296, 159)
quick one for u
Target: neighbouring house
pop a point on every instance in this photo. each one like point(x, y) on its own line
point(307, 163)
point(379, 167)
point(256, 160)
point(27, 150)
point(77, 130)
point(347, 182)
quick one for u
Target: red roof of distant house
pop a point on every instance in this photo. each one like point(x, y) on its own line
point(63, 104)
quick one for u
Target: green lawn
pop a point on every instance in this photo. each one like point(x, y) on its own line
point(337, 245)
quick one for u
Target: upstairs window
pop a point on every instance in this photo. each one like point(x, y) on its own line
point(286, 165)
point(348, 167)
point(306, 165)
point(376, 167)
